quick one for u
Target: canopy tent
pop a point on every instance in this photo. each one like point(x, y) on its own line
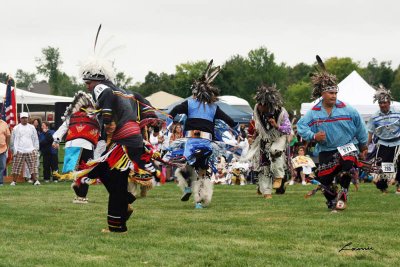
point(232, 111)
point(162, 100)
point(237, 102)
point(29, 98)
point(354, 90)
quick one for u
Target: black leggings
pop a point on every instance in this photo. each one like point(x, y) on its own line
point(327, 179)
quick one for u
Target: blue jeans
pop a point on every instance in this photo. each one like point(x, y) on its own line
point(3, 161)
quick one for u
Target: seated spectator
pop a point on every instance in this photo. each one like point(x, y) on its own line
point(302, 165)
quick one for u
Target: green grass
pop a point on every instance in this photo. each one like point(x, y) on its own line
point(41, 227)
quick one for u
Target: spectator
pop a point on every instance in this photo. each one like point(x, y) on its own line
point(37, 123)
point(156, 138)
point(177, 133)
point(4, 144)
point(25, 146)
point(302, 166)
point(27, 175)
point(50, 154)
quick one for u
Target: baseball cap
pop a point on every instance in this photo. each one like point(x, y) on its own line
point(24, 115)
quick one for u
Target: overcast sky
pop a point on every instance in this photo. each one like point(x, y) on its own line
point(160, 34)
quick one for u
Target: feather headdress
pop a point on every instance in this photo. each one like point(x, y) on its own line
point(81, 100)
point(97, 67)
point(203, 89)
point(382, 94)
point(322, 80)
point(269, 96)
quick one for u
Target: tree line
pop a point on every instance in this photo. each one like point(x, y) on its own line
point(240, 76)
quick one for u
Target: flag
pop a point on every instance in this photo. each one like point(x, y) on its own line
point(10, 105)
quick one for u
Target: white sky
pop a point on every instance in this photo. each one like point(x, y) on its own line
point(160, 34)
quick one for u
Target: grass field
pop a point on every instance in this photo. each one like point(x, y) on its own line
point(41, 227)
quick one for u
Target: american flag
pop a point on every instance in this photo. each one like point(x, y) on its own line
point(10, 105)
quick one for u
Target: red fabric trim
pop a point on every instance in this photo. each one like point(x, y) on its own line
point(331, 120)
point(353, 159)
point(340, 104)
point(327, 171)
point(130, 128)
point(115, 156)
point(318, 108)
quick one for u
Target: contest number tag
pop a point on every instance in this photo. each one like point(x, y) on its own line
point(387, 167)
point(346, 149)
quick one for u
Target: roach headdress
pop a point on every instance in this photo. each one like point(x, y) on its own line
point(269, 96)
point(382, 94)
point(322, 80)
point(97, 67)
point(203, 89)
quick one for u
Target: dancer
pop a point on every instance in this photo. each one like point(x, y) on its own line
point(201, 111)
point(337, 128)
point(81, 130)
point(384, 125)
point(271, 130)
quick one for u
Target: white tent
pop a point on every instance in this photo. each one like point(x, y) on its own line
point(162, 100)
point(355, 91)
point(29, 98)
point(237, 102)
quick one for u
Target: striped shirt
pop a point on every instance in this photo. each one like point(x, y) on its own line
point(344, 125)
point(386, 127)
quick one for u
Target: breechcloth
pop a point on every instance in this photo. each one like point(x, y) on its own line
point(387, 154)
point(82, 189)
point(331, 164)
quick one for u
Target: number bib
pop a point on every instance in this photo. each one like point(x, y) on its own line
point(346, 149)
point(387, 167)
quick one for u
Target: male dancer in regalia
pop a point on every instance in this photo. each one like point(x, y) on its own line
point(81, 130)
point(201, 111)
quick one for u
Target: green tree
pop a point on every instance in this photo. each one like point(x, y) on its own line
point(24, 79)
point(395, 87)
point(297, 94)
point(48, 65)
point(300, 72)
point(3, 77)
point(264, 69)
point(68, 86)
point(241, 76)
point(122, 80)
point(184, 76)
point(151, 84)
point(341, 67)
point(379, 73)
point(233, 77)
